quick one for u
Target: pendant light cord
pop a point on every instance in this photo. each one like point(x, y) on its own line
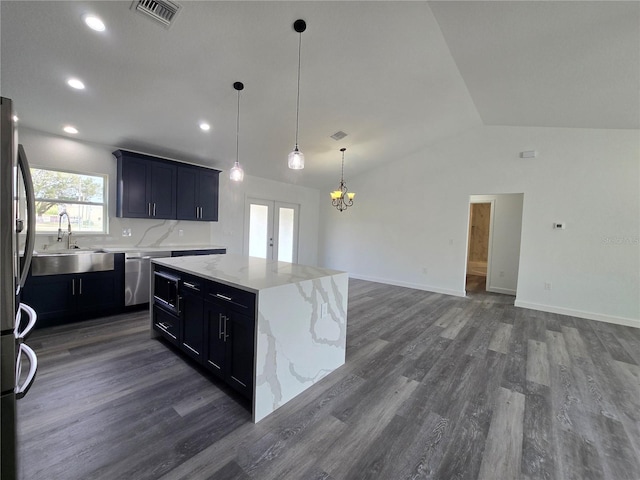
point(298, 97)
point(238, 130)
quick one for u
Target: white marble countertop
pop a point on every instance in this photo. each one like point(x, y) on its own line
point(246, 273)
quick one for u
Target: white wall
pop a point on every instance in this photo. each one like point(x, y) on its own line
point(44, 150)
point(412, 215)
point(232, 211)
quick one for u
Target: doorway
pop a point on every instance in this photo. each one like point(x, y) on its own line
point(480, 216)
point(493, 252)
point(271, 230)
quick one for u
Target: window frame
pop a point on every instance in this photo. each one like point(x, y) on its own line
point(104, 204)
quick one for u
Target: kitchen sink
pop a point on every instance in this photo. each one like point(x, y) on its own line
point(71, 261)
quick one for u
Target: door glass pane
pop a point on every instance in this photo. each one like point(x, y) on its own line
point(258, 230)
point(285, 234)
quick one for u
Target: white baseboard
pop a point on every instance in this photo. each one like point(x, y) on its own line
point(417, 286)
point(503, 291)
point(628, 322)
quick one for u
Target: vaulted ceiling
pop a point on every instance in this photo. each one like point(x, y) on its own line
point(394, 76)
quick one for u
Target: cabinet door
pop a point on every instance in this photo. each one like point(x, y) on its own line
point(50, 296)
point(186, 194)
point(215, 349)
point(135, 195)
point(163, 190)
point(208, 194)
point(192, 322)
point(95, 291)
point(240, 348)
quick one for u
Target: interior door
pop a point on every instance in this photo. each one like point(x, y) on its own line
point(271, 230)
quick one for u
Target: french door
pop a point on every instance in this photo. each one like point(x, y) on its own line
point(271, 230)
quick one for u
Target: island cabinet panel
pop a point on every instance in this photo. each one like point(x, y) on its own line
point(192, 317)
point(229, 345)
point(197, 193)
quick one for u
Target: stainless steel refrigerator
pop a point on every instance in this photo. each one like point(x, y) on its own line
point(16, 319)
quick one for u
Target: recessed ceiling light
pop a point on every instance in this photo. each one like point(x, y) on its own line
point(75, 83)
point(94, 23)
point(70, 129)
point(205, 127)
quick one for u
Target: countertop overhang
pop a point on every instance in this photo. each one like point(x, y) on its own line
point(251, 274)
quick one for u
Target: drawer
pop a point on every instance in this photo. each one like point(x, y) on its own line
point(166, 324)
point(191, 284)
point(232, 297)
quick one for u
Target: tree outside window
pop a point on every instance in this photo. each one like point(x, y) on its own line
point(82, 196)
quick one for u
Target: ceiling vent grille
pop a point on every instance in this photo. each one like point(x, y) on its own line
point(163, 12)
point(339, 135)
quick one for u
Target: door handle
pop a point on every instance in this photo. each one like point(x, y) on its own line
point(33, 316)
point(21, 390)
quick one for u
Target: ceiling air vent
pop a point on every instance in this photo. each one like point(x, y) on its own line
point(161, 11)
point(339, 135)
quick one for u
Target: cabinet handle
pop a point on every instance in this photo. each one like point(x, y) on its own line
point(149, 209)
point(224, 297)
point(80, 291)
point(225, 328)
point(154, 209)
point(201, 212)
point(73, 286)
point(191, 285)
point(197, 212)
point(219, 326)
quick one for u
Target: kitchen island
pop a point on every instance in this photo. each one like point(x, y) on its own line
point(283, 326)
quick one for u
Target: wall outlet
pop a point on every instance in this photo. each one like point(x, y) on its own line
point(547, 285)
point(126, 232)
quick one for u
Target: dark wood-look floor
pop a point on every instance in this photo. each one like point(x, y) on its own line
point(435, 387)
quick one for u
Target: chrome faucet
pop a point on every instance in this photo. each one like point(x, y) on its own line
point(68, 229)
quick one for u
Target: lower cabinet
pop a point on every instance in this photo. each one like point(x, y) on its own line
point(229, 346)
point(215, 327)
point(59, 299)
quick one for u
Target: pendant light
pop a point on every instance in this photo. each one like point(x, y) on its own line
point(236, 173)
point(341, 198)
point(296, 157)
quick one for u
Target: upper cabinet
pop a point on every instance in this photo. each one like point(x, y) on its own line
point(150, 187)
point(197, 195)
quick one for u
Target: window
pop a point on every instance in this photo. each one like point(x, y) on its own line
point(83, 197)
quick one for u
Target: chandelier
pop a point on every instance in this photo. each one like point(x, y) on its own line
point(341, 198)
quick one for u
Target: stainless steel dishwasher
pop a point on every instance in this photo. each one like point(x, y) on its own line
point(137, 276)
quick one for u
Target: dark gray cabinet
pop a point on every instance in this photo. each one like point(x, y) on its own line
point(215, 327)
point(229, 347)
point(197, 193)
point(146, 186)
point(59, 299)
point(151, 187)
